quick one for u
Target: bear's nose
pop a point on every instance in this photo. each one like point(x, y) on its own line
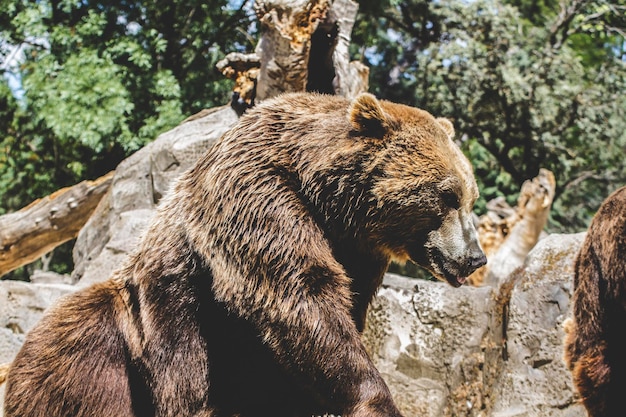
point(478, 261)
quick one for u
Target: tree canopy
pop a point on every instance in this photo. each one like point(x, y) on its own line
point(528, 84)
point(98, 80)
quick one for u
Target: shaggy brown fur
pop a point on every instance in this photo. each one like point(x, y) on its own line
point(248, 292)
point(595, 346)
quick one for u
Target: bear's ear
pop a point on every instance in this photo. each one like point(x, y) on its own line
point(367, 116)
point(447, 126)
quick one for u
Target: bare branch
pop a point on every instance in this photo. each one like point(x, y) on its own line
point(35, 230)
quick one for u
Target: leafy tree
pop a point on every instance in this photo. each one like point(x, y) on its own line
point(530, 87)
point(528, 83)
point(97, 80)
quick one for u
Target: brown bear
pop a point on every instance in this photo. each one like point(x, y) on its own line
point(595, 347)
point(248, 292)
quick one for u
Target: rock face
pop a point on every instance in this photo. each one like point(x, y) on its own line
point(471, 351)
point(139, 183)
point(480, 351)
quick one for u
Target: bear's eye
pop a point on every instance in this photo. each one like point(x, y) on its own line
point(451, 200)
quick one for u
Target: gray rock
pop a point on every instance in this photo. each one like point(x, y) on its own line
point(479, 351)
point(535, 380)
point(139, 183)
point(425, 336)
point(49, 277)
point(21, 306)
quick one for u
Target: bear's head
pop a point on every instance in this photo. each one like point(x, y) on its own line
point(423, 189)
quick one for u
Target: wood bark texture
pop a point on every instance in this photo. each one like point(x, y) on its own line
point(35, 230)
point(304, 47)
point(508, 234)
point(4, 370)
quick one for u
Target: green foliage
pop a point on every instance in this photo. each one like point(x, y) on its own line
point(528, 84)
point(527, 88)
point(84, 81)
point(98, 80)
point(536, 12)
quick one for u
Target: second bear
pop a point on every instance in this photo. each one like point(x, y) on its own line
point(595, 346)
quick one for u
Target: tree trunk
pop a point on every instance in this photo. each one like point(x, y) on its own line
point(303, 47)
point(507, 235)
point(46, 223)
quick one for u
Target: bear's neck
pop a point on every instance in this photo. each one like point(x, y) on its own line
point(367, 269)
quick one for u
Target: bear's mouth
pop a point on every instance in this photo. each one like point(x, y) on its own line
point(443, 268)
point(454, 279)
